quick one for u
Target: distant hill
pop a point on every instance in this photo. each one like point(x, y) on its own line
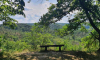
point(20, 27)
point(27, 26)
point(31, 24)
point(51, 24)
point(61, 23)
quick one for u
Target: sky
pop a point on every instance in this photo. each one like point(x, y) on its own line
point(34, 10)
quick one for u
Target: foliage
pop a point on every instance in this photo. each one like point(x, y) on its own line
point(90, 41)
point(88, 13)
point(11, 46)
point(10, 8)
point(13, 38)
point(39, 36)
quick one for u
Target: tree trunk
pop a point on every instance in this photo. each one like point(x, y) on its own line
point(93, 25)
point(91, 21)
point(99, 44)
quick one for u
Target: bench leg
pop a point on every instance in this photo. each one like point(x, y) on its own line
point(59, 48)
point(45, 48)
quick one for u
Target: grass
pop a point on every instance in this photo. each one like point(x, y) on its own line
point(52, 55)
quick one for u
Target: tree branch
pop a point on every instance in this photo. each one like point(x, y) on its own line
point(88, 16)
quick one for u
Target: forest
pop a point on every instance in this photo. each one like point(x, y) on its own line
point(30, 36)
point(80, 36)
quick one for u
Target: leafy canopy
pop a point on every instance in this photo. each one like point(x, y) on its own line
point(10, 8)
point(88, 11)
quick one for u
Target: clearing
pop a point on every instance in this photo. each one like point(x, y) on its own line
point(52, 55)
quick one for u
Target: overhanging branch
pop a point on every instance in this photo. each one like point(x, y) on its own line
point(88, 16)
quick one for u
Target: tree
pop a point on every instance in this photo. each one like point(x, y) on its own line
point(89, 11)
point(39, 36)
point(11, 8)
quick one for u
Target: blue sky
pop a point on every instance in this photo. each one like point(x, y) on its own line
point(34, 10)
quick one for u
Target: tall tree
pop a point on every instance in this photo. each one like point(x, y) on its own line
point(89, 11)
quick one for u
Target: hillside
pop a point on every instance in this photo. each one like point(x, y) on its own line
point(27, 26)
point(22, 38)
point(20, 27)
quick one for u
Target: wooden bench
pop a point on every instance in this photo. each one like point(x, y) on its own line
point(52, 46)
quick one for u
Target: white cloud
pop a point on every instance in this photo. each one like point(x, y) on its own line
point(1, 22)
point(33, 12)
point(39, 9)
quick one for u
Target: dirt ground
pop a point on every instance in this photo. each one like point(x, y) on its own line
point(51, 55)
